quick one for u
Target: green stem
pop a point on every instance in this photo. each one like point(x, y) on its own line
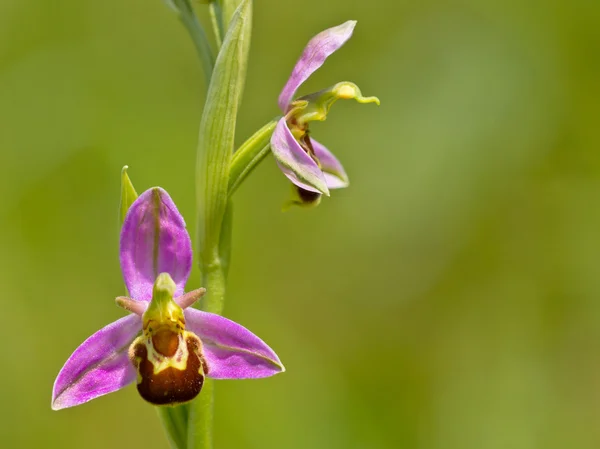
point(249, 155)
point(200, 423)
point(214, 279)
point(216, 19)
point(201, 410)
point(225, 239)
point(196, 32)
point(175, 422)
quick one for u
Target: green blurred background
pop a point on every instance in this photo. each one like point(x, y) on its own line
point(449, 299)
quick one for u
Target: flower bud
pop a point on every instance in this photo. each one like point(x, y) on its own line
point(128, 193)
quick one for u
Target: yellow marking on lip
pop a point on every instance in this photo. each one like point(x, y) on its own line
point(161, 362)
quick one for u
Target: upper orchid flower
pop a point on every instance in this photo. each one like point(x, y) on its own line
point(308, 164)
point(178, 346)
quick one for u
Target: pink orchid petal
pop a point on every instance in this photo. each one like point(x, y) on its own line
point(231, 350)
point(318, 49)
point(294, 162)
point(153, 241)
point(99, 366)
point(334, 172)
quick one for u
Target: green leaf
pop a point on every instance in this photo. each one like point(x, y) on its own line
point(217, 132)
point(128, 194)
point(250, 154)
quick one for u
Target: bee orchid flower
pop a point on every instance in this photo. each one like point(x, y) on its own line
point(165, 346)
point(309, 165)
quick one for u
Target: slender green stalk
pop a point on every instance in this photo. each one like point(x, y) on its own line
point(225, 242)
point(249, 155)
point(175, 422)
point(196, 32)
point(200, 422)
point(217, 22)
point(214, 278)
